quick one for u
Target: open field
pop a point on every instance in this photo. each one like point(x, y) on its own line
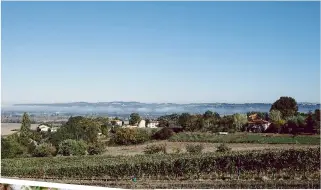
point(259, 138)
point(208, 147)
point(294, 168)
point(6, 128)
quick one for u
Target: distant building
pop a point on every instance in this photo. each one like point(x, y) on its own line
point(152, 124)
point(43, 127)
point(46, 128)
point(257, 124)
point(119, 123)
point(142, 124)
point(126, 122)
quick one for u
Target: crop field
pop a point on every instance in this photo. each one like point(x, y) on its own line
point(293, 164)
point(246, 138)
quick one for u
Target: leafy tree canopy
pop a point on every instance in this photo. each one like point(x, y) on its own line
point(286, 105)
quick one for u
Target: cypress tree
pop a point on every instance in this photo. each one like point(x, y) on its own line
point(25, 126)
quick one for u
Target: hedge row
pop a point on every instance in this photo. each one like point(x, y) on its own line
point(173, 166)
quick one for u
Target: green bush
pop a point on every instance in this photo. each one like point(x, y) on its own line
point(194, 149)
point(153, 149)
point(96, 148)
point(105, 129)
point(11, 148)
point(223, 148)
point(44, 150)
point(71, 147)
point(127, 136)
point(163, 134)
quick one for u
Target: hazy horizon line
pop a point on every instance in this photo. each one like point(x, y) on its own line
point(301, 102)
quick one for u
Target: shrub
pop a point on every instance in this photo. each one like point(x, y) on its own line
point(153, 149)
point(96, 148)
point(104, 130)
point(163, 134)
point(153, 131)
point(190, 148)
point(44, 150)
point(11, 148)
point(72, 147)
point(223, 148)
point(127, 136)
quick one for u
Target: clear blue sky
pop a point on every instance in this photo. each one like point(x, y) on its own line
point(160, 51)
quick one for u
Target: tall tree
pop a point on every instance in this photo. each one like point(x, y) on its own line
point(286, 105)
point(25, 126)
point(134, 119)
point(239, 120)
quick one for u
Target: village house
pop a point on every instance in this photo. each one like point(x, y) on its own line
point(142, 124)
point(119, 123)
point(257, 124)
point(46, 128)
point(43, 128)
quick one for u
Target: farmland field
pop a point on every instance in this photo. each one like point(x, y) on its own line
point(260, 138)
point(265, 168)
point(208, 147)
point(6, 128)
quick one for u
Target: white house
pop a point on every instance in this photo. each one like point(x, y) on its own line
point(43, 128)
point(118, 122)
point(142, 124)
point(152, 124)
point(46, 128)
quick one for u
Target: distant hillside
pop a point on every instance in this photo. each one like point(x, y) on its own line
point(120, 107)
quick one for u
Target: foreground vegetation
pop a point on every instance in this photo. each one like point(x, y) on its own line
point(245, 138)
point(293, 163)
point(195, 184)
